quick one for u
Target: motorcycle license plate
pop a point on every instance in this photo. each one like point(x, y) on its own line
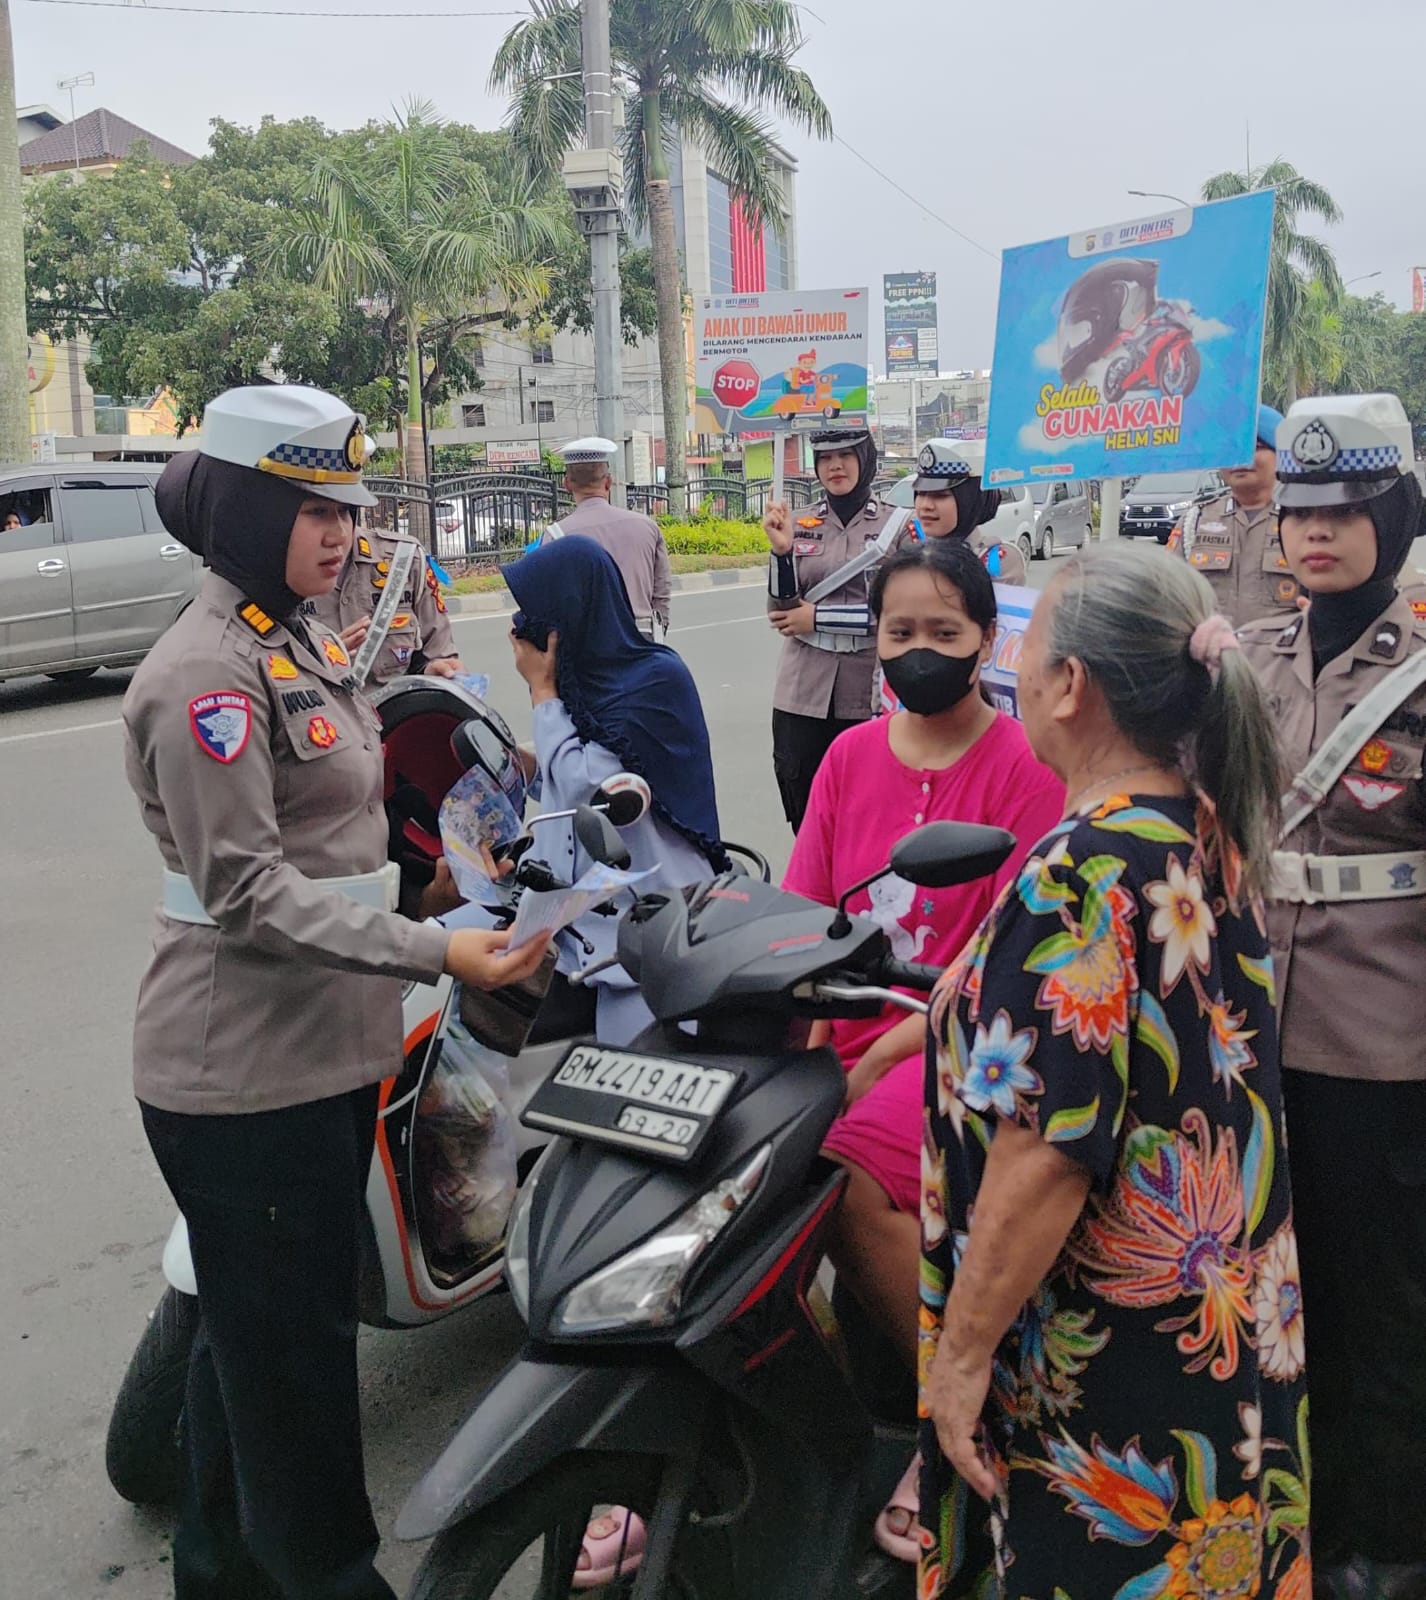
point(653, 1104)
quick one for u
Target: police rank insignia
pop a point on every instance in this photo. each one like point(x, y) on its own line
point(335, 654)
point(1376, 756)
point(221, 723)
point(322, 733)
point(363, 545)
point(280, 669)
point(256, 618)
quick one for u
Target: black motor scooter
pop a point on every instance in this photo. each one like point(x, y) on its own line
point(663, 1255)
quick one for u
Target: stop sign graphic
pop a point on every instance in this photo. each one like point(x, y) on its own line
point(735, 384)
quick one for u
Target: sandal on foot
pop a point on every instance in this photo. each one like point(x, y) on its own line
point(904, 1508)
point(613, 1547)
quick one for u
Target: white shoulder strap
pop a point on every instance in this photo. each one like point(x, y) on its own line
point(386, 607)
point(1313, 784)
point(553, 532)
point(869, 557)
point(1191, 519)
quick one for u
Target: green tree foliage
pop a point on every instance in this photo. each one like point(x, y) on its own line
point(1298, 261)
point(160, 271)
point(712, 70)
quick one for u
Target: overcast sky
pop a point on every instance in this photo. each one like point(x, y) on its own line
point(1015, 120)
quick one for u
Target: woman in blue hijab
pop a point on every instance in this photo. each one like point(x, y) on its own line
point(607, 700)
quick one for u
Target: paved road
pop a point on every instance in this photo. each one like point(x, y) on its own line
point(86, 1213)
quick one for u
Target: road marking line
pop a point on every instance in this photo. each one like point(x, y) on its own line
point(679, 597)
point(52, 733)
point(727, 622)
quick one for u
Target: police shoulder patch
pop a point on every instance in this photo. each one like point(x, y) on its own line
point(221, 723)
point(256, 618)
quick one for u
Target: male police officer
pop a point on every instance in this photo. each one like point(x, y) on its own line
point(951, 502)
point(1233, 541)
point(635, 543)
point(409, 633)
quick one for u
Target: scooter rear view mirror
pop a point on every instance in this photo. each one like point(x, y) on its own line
point(599, 838)
point(943, 854)
point(625, 799)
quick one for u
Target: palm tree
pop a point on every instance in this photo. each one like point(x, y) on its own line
point(409, 226)
point(708, 69)
point(1298, 260)
point(14, 356)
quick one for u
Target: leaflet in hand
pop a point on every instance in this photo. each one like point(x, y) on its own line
point(549, 912)
point(475, 813)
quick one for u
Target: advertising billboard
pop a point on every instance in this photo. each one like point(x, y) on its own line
point(1418, 288)
point(909, 312)
point(1134, 348)
point(783, 362)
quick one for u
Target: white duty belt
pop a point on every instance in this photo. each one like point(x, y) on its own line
point(380, 890)
point(1306, 880)
point(840, 644)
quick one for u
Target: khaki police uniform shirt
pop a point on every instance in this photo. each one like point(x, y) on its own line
point(636, 546)
point(258, 769)
point(1351, 995)
point(821, 683)
point(1240, 554)
point(420, 631)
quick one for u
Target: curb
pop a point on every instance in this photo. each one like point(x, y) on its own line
point(683, 583)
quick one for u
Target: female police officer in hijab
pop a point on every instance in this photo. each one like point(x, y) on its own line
point(822, 563)
point(271, 1007)
point(1346, 685)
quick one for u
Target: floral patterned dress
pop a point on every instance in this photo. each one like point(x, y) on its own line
point(1149, 1406)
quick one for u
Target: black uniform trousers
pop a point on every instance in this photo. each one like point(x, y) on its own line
point(1357, 1152)
point(274, 1503)
point(798, 746)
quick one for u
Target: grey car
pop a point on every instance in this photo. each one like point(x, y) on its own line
point(1062, 516)
point(89, 577)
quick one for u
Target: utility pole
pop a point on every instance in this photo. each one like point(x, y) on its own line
point(595, 176)
point(14, 366)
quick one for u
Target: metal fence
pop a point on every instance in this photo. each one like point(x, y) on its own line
point(489, 518)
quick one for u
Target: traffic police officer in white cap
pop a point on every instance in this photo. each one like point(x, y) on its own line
point(951, 502)
point(1347, 687)
point(634, 542)
point(271, 1008)
point(819, 580)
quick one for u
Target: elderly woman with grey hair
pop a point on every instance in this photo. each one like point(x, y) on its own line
point(1112, 1349)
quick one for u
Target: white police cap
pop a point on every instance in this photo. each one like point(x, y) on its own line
point(943, 463)
point(584, 451)
point(305, 436)
point(1342, 449)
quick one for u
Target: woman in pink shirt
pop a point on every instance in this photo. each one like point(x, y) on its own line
point(946, 756)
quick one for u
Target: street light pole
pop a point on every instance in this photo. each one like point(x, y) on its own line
point(1158, 194)
point(603, 224)
point(84, 80)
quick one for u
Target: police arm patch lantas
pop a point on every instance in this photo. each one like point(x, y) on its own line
point(221, 723)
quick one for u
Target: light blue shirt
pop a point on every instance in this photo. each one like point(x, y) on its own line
point(570, 772)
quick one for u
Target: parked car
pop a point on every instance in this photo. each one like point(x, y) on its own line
point(1062, 516)
point(90, 577)
point(1152, 507)
point(1014, 523)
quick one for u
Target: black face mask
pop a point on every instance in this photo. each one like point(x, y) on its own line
point(928, 682)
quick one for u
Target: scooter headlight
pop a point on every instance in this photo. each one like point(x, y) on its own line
point(645, 1286)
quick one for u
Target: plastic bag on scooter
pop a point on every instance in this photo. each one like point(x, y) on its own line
point(463, 1153)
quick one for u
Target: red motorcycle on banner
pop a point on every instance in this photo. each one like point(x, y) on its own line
point(1158, 354)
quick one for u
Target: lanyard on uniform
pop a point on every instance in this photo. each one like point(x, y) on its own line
point(386, 608)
